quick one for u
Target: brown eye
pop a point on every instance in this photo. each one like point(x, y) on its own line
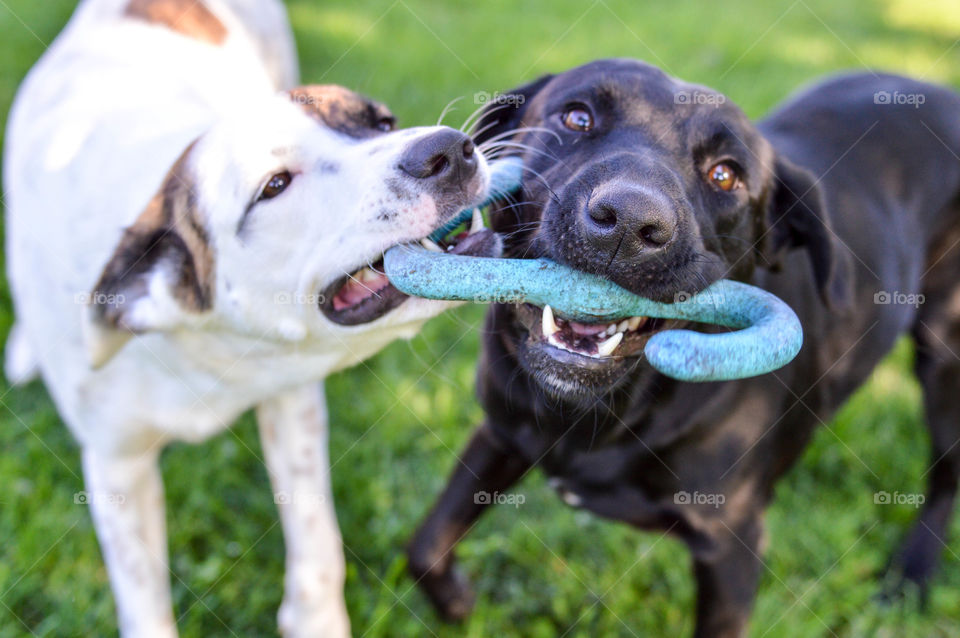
point(386, 124)
point(577, 119)
point(724, 176)
point(275, 185)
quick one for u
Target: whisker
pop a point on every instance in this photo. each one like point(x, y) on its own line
point(526, 129)
point(483, 130)
point(372, 292)
point(498, 149)
point(447, 109)
point(469, 122)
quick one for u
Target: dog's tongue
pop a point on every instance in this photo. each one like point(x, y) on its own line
point(355, 290)
point(587, 329)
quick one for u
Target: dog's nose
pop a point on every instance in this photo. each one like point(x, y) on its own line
point(446, 156)
point(626, 222)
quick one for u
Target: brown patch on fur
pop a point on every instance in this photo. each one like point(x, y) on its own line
point(169, 230)
point(341, 109)
point(188, 17)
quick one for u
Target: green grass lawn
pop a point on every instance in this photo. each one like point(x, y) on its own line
point(542, 569)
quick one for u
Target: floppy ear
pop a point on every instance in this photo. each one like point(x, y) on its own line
point(797, 217)
point(160, 274)
point(506, 110)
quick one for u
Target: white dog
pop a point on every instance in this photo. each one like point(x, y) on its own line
point(184, 243)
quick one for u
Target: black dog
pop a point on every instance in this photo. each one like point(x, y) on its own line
point(848, 190)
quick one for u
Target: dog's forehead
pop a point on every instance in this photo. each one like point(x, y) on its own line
point(622, 81)
point(635, 90)
point(341, 109)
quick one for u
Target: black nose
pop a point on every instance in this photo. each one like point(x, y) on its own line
point(625, 222)
point(446, 156)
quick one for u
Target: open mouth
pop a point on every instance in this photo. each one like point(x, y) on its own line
point(366, 294)
point(594, 341)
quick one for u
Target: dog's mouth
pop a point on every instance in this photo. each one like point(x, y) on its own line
point(578, 360)
point(624, 337)
point(366, 294)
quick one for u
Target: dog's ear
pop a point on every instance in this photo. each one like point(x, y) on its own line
point(160, 274)
point(796, 216)
point(505, 111)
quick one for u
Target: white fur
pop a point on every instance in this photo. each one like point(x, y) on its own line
point(94, 129)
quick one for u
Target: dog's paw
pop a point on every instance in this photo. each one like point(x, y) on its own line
point(296, 622)
point(451, 594)
point(903, 590)
point(313, 606)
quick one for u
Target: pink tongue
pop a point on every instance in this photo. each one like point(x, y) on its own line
point(353, 292)
point(586, 329)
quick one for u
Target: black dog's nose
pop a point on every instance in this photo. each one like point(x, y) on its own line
point(446, 156)
point(626, 221)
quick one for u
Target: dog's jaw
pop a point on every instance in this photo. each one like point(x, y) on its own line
point(576, 361)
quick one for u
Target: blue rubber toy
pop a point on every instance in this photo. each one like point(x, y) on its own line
point(767, 333)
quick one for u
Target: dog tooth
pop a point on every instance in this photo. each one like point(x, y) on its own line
point(476, 225)
point(368, 275)
point(606, 348)
point(548, 324)
point(429, 245)
point(623, 325)
point(635, 322)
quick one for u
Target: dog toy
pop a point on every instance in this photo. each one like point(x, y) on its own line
point(766, 336)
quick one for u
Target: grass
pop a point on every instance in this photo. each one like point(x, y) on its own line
point(541, 570)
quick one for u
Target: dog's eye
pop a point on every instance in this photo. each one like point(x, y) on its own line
point(386, 124)
point(275, 185)
point(577, 118)
point(724, 176)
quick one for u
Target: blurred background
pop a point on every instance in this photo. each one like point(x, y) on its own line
point(540, 569)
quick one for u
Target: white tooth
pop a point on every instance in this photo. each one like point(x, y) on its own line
point(606, 348)
point(623, 325)
point(634, 322)
point(476, 224)
point(611, 330)
point(547, 323)
point(429, 245)
point(368, 275)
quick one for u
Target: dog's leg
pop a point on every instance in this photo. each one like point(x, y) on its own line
point(484, 467)
point(727, 579)
point(726, 556)
point(125, 495)
point(293, 430)
point(938, 339)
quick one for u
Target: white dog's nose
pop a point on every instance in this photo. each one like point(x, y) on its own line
point(447, 157)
